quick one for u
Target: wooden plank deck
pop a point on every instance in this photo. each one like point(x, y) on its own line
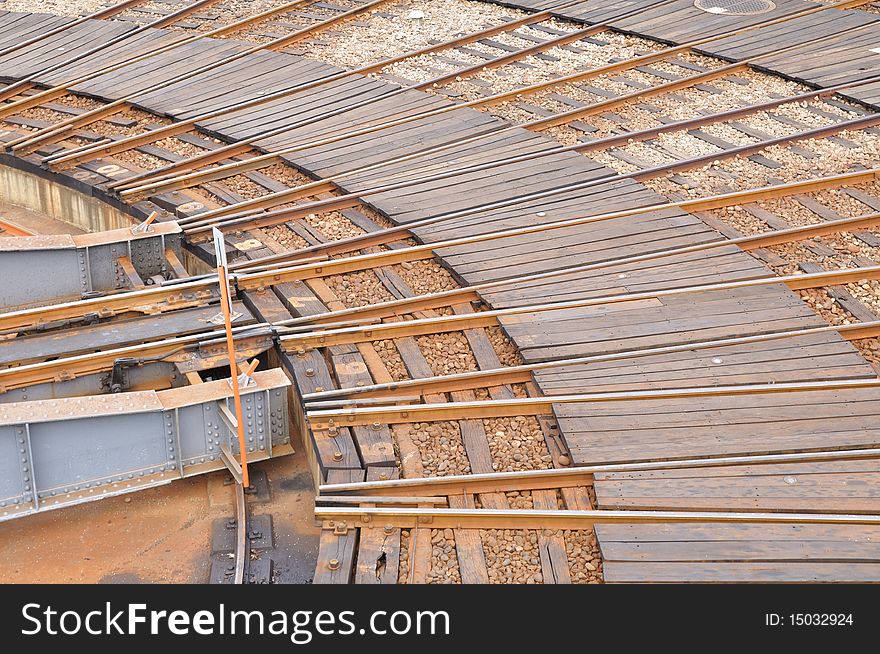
point(840, 486)
point(58, 48)
point(660, 429)
point(714, 553)
point(654, 322)
point(93, 338)
point(804, 358)
point(621, 431)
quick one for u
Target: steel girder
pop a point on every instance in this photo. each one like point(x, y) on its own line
point(57, 453)
point(40, 269)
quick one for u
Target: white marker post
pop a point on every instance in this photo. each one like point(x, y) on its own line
point(226, 306)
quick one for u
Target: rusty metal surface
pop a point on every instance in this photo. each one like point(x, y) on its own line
point(111, 334)
point(39, 242)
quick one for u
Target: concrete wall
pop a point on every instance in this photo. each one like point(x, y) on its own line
point(31, 192)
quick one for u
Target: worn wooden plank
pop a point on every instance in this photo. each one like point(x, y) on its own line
point(848, 487)
point(335, 557)
point(374, 443)
point(469, 547)
point(378, 556)
point(551, 546)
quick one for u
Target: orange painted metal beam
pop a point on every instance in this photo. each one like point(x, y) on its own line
point(11, 229)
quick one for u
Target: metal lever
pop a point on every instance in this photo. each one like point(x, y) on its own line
point(146, 226)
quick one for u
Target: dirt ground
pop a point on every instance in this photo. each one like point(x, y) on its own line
point(161, 535)
point(35, 222)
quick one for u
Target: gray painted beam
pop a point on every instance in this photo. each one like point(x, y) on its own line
point(57, 453)
point(41, 269)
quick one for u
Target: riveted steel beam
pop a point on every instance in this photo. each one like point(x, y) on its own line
point(58, 453)
point(42, 269)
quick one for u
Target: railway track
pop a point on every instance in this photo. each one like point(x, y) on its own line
point(502, 251)
point(554, 506)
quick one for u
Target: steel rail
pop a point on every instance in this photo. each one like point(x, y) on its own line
point(255, 280)
point(510, 57)
point(199, 291)
point(248, 340)
point(339, 518)
point(322, 422)
point(492, 318)
point(148, 300)
point(63, 160)
point(101, 14)
point(185, 125)
point(269, 158)
point(474, 292)
point(329, 183)
point(198, 224)
point(28, 82)
point(392, 391)
point(60, 90)
point(395, 501)
point(566, 477)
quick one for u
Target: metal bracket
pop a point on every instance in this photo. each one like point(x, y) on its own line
point(228, 417)
point(218, 319)
point(141, 228)
point(245, 380)
point(116, 381)
point(145, 227)
point(229, 461)
point(245, 377)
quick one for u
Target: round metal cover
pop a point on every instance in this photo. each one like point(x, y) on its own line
point(735, 7)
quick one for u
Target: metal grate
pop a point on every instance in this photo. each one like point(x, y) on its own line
point(735, 7)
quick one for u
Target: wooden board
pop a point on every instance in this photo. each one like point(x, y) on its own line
point(843, 487)
point(713, 553)
point(651, 430)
